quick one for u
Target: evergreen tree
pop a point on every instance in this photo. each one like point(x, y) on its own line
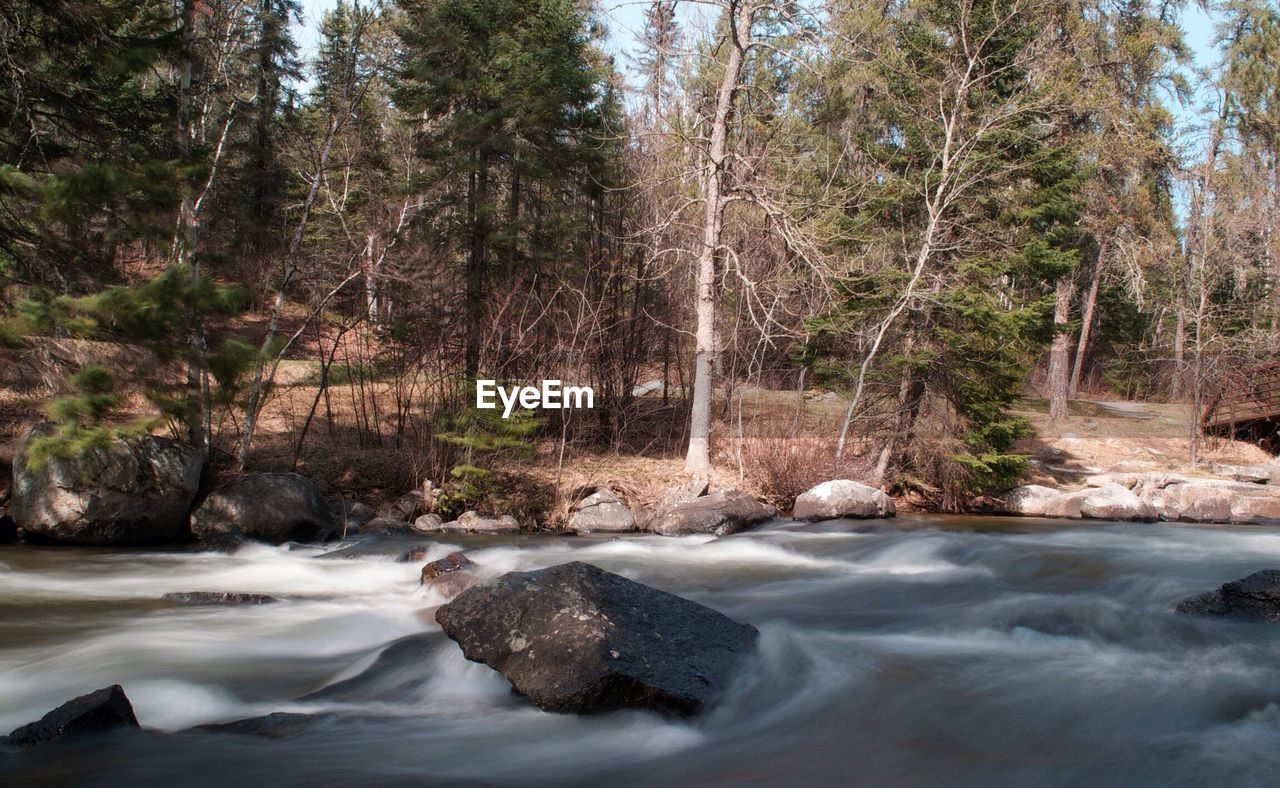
point(505, 94)
point(86, 141)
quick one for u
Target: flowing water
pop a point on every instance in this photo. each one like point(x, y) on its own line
point(924, 651)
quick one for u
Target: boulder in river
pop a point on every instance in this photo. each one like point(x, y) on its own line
point(720, 513)
point(98, 710)
point(217, 598)
point(268, 507)
point(450, 575)
point(841, 498)
point(601, 512)
point(135, 490)
point(453, 562)
point(575, 638)
point(1256, 597)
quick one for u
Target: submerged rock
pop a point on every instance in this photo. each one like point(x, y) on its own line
point(601, 512)
point(412, 555)
point(843, 498)
point(271, 726)
point(722, 512)
point(268, 507)
point(217, 598)
point(98, 710)
point(1256, 597)
point(575, 638)
point(136, 490)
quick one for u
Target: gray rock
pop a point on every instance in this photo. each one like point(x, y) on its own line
point(575, 638)
point(722, 512)
point(98, 710)
point(601, 511)
point(428, 522)
point(136, 490)
point(1249, 474)
point(217, 598)
point(1114, 502)
point(268, 507)
point(842, 498)
point(473, 523)
point(406, 507)
point(1034, 500)
point(1256, 597)
point(352, 515)
point(386, 526)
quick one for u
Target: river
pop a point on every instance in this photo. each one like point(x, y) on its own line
point(928, 650)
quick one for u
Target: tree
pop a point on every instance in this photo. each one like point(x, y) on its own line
point(514, 107)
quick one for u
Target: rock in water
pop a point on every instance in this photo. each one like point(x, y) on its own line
point(453, 562)
point(722, 512)
point(842, 498)
point(272, 726)
point(136, 490)
point(99, 710)
point(601, 511)
point(217, 598)
point(575, 638)
point(268, 507)
point(1255, 597)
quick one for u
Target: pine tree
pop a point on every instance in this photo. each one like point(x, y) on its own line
point(506, 96)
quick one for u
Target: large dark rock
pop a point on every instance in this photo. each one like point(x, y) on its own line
point(99, 710)
point(1256, 597)
point(722, 512)
point(217, 598)
point(575, 638)
point(135, 490)
point(268, 507)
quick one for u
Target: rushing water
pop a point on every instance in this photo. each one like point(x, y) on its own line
point(926, 651)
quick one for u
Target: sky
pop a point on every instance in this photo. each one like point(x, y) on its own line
point(624, 19)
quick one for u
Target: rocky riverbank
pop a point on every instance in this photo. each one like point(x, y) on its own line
point(1240, 495)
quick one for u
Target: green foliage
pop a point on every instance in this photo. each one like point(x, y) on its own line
point(483, 436)
point(86, 145)
point(155, 316)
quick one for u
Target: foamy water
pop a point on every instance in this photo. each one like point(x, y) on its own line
point(928, 651)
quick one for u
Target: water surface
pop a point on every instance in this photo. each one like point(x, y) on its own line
point(923, 651)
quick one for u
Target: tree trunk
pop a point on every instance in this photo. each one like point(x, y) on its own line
point(1086, 321)
point(698, 458)
point(1058, 359)
point(477, 207)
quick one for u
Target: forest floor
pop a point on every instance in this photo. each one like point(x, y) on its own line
point(360, 445)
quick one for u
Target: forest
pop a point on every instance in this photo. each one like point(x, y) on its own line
point(781, 241)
